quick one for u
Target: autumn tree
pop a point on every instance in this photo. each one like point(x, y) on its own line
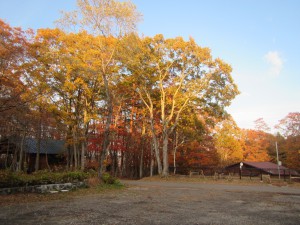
point(14, 110)
point(13, 46)
point(229, 142)
point(289, 128)
point(289, 125)
point(64, 68)
point(13, 53)
point(193, 144)
point(109, 19)
point(261, 125)
point(173, 74)
point(292, 149)
point(256, 146)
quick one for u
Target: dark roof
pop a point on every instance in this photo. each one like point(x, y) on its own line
point(268, 167)
point(263, 165)
point(47, 146)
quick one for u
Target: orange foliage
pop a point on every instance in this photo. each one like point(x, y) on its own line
point(196, 154)
point(256, 146)
point(292, 148)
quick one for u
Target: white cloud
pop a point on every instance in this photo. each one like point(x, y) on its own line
point(275, 61)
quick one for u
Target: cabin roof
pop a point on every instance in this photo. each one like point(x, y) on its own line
point(268, 167)
point(30, 145)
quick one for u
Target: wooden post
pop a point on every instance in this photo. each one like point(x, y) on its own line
point(241, 165)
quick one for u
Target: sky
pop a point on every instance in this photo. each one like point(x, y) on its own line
point(260, 39)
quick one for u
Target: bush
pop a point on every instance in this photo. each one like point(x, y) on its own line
point(11, 179)
point(108, 179)
point(18, 179)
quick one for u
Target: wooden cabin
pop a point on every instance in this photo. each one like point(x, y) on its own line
point(258, 168)
point(52, 153)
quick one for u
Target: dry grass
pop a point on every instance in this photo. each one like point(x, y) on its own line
point(224, 180)
point(96, 187)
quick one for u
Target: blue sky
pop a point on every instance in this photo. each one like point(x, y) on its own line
point(260, 39)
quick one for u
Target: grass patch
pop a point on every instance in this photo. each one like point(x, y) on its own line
point(225, 180)
point(107, 187)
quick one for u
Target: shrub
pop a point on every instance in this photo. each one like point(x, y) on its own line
point(75, 176)
point(18, 179)
point(108, 179)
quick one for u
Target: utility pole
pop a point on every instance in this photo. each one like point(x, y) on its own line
point(278, 162)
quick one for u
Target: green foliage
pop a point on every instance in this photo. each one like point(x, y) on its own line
point(108, 179)
point(17, 179)
point(105, 187)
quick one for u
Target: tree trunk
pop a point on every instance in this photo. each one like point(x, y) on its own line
point(106, 141)
point(175, 147)
point(141, 163)
point(156, 147)
point(143, 140)
point(7, 154)
point(152, 162)
point(38, 145)
point(165, 171)
point(75, 150)
point(83, 144)
point(174, 162)
point(21, 153)
point(71, 157)
point(47, 162)
point(13, 165)
point(70, 152)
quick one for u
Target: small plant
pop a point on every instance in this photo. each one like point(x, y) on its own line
point(108, 179)
point(105, 187)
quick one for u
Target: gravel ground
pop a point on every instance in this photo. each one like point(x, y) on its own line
point(154, 202)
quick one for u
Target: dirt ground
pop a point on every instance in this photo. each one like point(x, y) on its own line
point(169, 202)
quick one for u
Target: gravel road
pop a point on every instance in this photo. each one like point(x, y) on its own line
point(154, 202)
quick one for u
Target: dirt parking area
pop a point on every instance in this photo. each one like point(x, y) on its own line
point(155, 202)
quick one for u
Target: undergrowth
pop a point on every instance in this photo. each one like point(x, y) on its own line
point(19, 179)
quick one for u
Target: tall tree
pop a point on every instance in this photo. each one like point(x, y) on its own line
point(261, 125)
point(257, 144)
point(229, 143)
point(14, 109)
point(107, 18)
point(289, 125)
point(13, 49)
point(173, 74)
point(13, 53)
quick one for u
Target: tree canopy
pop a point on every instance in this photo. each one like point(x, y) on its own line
point(126, 103)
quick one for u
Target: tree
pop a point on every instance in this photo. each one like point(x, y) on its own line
point(107, 18)
point(14, 110)
point(292, 149)
point(13, 53)
point(229, 143)
point(289, 126)
point(261, 125)
point(13, 49)
point(197, 147)
point(257, 146)
point(173, 74)
point(64, 68)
